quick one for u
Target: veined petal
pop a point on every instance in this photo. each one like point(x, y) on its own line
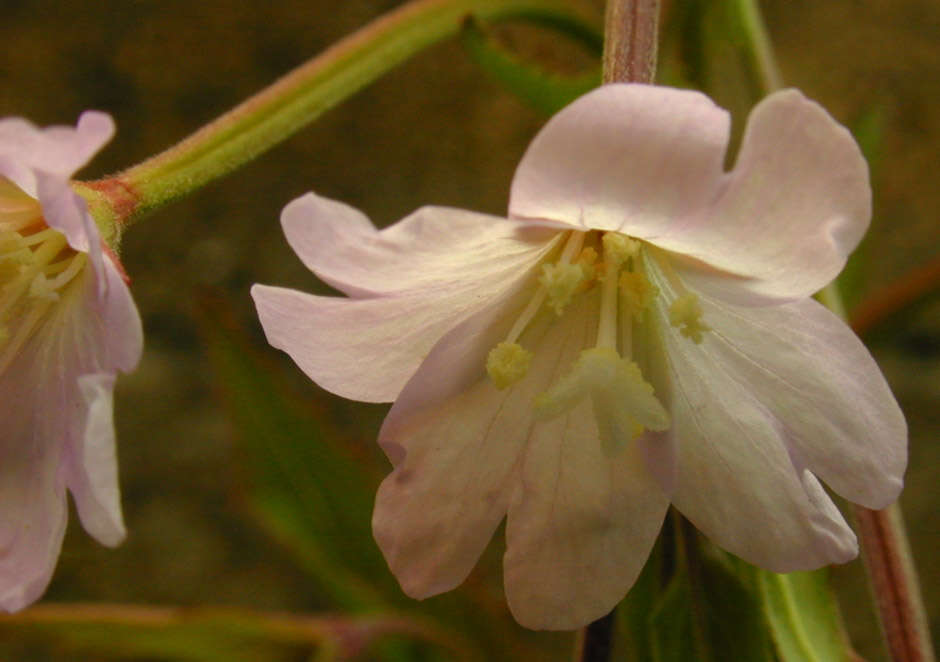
point(26, 150)
point(94, 469)
point(457, 458)
point(581, 524)
point(734, 477)
point(56, 427)
point(367, 349)
point(32, 492)
point(437, 248)
point(633, 158)
point(795, 206)
point(833, 407)
point(362, 349)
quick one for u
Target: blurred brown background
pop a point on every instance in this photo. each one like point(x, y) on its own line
point(437, 130)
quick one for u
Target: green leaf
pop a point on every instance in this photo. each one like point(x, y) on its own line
point(307, 490)
point(632, 638)
point(730, 602)
point(545, 91)
point(206, 634)
point(803, 617)
point(671, 637)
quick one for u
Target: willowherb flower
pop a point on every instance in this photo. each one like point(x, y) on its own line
point(67, 325)
point(638, 332)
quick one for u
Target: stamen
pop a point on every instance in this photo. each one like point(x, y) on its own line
point(561, 281)
point(637, 292)
point(507, 363)
point(685, 313)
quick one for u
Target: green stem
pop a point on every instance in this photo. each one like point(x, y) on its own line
point(301, 96)
point(757, 47)
point(885, 548)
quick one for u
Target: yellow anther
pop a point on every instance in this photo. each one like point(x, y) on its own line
point(507, 363)
point(637, 292)
point(588, 262)
point(685, 313)
point(561, 281)
point(619, 248)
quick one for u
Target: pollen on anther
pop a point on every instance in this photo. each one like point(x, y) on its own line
point(619, 248)
point(637, 292)
point(685, 313)
point(507, 363)
point(561, 282)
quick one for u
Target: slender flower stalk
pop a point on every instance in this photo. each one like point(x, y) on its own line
point(289, 104)
point(631, 41)
point(631, 35)
point(883, 539)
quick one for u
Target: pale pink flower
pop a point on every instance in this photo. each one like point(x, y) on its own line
point(637, 333)
point(67, 325)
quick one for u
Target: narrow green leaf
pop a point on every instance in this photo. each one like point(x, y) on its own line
point(803, 617)
point(545, 91)
point(314, 497)
point(735, 625)
point(670, 624)
point(632, 639)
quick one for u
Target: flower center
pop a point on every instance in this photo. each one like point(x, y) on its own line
point(624, 402)
point(36, 264)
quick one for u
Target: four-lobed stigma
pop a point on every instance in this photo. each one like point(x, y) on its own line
point(624, 403)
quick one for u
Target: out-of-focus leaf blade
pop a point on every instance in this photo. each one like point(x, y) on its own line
point(546, 92)
point(314, 497)
point(803, 617)
point(208, 634)
point(730, 603)
point(670, 624)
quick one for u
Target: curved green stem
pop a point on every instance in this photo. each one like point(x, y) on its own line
point(301, 96)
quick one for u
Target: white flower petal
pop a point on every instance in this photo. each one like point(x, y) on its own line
point(31, 491)
point(581, 525)
point(734, 478)
point(435, 249)
point(633, 158)
point(94, 468)
point(367, 349)
point(795, 206)
point(362, 349)
point(26, 151)
point(457, 458)
point(833, 407)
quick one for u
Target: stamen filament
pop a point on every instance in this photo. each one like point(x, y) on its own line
point(10, 346)
point(571, 249)
point(607, 325)
point(41, 258)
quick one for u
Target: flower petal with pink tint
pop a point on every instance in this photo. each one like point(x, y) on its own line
point(434, 250)
point(637, 159)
